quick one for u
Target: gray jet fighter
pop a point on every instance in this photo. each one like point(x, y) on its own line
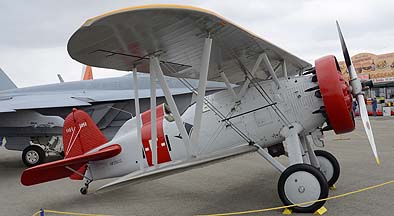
point(32, 117)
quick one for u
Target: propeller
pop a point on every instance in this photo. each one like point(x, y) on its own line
point(357, 92)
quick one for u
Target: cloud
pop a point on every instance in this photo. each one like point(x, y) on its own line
point(35, 33)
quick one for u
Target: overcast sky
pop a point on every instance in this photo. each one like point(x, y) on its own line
point(34, 34)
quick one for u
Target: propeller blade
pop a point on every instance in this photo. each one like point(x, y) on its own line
point(367, 125)
point(344, 48)
point(357, 91)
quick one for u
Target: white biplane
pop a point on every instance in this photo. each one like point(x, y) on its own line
point(275, 103)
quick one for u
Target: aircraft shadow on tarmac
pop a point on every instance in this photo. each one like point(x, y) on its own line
point(211, 189)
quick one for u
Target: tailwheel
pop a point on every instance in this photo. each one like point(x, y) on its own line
point(329, 166)
point(84, 189)
point(301, 183)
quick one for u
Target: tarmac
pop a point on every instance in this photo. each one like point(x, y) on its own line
point(243, 183)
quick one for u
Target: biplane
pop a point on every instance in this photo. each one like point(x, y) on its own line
point(275, 103)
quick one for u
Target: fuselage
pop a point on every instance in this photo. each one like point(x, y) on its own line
point(287, 104)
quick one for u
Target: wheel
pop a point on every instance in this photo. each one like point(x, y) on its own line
point(329, 166)
point(83, 190)
point(301, 183)
point(33, 155)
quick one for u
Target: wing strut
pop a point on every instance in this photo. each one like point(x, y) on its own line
point(270, 69)
point(136, 96)
point(284, 69)
point(170, 100)
point(153, 141)
point(228, 85)
point(247, 82)
point(202, 84)
point(138, 116)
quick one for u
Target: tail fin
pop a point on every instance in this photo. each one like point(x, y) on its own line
point(80, 134)
point(87, 73)
point(5, 81)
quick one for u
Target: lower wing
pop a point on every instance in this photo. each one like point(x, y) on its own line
point(174, 167)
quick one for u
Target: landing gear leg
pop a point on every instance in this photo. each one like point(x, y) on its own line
point(301, 182)
point(324, 161)
point(84, 189)
point(329, 166)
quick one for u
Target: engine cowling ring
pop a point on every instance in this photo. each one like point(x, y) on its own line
point(336, 94)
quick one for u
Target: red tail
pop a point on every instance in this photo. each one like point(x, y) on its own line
point(80, 135)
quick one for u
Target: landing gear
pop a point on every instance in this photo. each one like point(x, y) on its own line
point(329, 166)
point(33, 155)
point(84, 189)
point(301, 183)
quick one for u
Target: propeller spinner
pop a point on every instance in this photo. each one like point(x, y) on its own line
point(357, 92)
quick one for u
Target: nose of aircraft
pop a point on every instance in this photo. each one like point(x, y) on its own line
point(336, 95)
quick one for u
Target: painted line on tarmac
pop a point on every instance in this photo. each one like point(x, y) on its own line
point(66, 213)
point(304, 203)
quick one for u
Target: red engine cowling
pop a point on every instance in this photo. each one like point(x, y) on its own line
point(336, 94)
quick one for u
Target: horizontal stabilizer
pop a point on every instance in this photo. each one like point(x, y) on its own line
point(61, 169)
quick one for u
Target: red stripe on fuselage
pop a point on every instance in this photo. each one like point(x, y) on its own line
point(163, 155)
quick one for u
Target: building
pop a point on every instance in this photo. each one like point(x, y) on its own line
point(379, 69)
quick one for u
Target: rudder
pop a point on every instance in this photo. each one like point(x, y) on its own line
point(80, 135)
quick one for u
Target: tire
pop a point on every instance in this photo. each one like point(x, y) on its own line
point(329, 166)
point(298, 179)
point(33, 155)
point(83, 190)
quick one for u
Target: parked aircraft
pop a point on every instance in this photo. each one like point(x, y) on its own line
point(32, 117)
point(280, 108)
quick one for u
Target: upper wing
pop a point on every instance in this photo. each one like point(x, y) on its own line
point(60, 169)
point(126, 37)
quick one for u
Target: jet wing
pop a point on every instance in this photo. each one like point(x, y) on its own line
point(175, 167)
point(22, 102)
point(79, 98)
point(61, 168)
point(124, 38)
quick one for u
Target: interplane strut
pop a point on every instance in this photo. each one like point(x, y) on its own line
point(137, 115)
point(202, 84)
point(153, 140)
point(171, 103)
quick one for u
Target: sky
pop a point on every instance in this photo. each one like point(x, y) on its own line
point(34, 34)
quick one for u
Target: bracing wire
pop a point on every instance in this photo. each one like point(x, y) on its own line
point(213, 108)
point(257, 86)
point(217, 112)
